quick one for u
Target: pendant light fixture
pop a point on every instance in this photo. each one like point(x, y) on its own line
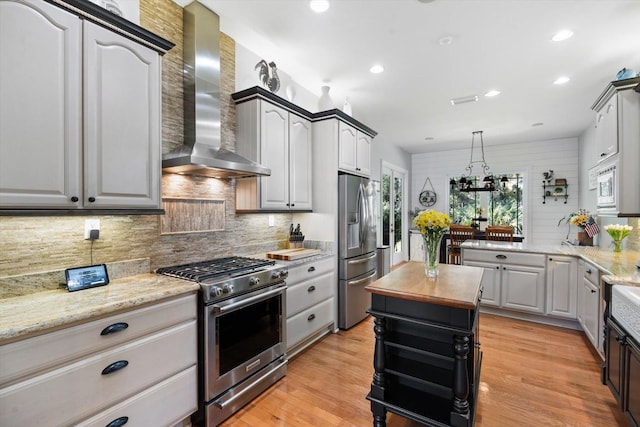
point(467, 183)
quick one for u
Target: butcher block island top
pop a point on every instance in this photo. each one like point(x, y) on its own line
point(456, 285)
point(427, 356)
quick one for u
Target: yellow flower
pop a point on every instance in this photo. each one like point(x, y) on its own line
point(432, 222)
point(580, 220)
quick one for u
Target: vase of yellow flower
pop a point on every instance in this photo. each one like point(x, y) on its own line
point(432, 225)
point(618, 232)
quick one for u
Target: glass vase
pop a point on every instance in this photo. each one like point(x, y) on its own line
point(617, 245)
point(431, 254)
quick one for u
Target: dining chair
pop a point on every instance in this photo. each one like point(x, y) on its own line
point(457, 235)
point(499, 232)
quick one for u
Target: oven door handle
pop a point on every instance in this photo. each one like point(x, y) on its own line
point(221, 404)
point(244, 301)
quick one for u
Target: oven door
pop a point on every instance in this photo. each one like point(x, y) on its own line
point(241, 336)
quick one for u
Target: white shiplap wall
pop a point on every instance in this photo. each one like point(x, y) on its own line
point(530, 159)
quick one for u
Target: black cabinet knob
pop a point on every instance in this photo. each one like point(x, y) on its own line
point(311, 289)
point(118, 422)
point(310, 269)
point(311, 317)
point(74, 199)
point(92, 199)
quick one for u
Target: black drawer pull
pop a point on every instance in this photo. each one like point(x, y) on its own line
point(116, 327)
point(501, 256)
point(310, 269)
point(118, 422)
point(588, 271)
point(311, 288)
point(550, 259)
point(311, 317)
point(593, 291)
point(115, 366)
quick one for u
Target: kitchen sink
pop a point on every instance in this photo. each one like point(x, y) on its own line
point(625, 308)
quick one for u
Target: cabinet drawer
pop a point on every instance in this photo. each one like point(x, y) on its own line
point(73, 392)
point(309, 270)
point(33, 355)
point(591, 273)
point(504, 257)
point(308, 293)
point(161, 405)
point(309, 321)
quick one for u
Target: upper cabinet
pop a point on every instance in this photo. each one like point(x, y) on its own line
point(282, 141)
point(354, 150)
point(80, 114)
point(618, 141)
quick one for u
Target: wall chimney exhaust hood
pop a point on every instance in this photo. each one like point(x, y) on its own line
point(202, 153)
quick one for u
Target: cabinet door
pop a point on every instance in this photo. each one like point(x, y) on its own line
point(490, 282)
point(615, 361)
point(274, 153)
point(562, 283)
point(300, 165)
point(347, 146)
point(122, 114)
point(523, 288)
point(632, 384)
point(591, 316)
point(40, 106)
point(363, 154)
point(607, 129)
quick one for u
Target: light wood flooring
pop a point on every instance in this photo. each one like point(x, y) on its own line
point(532, 375)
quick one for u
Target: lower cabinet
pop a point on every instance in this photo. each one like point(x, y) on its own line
point(589, 314)
point(511, 280)
point(562, 282)
point(310, 302)
point(124, 368)
point(623, 370)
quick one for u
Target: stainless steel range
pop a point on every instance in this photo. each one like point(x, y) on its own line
point(242, 331)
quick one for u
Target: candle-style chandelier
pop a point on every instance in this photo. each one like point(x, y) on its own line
point(468, 182)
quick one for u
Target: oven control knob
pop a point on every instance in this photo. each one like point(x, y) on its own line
point(215, 291)
point(227, 288)
point(254, 281)
point(275, 275)
point(284, 273)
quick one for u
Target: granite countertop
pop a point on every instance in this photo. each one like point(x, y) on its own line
point(31, 314)
point(619, 267)
point(455, 286)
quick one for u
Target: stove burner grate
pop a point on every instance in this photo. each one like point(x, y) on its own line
point(203, 270)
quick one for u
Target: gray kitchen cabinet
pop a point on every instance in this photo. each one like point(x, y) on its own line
point(81, 113)
point(617, 133)
point(589, 304)
point(310, 302)
point(562, 286)
point(282, 141)
point(512, 280)
point(354, 150)
point(139, 363)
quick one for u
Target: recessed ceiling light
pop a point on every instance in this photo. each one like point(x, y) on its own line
point(492, 93)
point(445, 41)
point(319, 6)
point(429, 138)
point(537, 124)
point(376, 69)
point(426, 1)
point(562, 35)
point(561, 80)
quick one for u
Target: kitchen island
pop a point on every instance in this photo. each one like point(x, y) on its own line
point(427, 357)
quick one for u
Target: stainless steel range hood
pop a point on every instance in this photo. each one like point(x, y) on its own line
point(202, 153)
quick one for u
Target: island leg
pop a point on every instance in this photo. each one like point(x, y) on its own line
point(377, 386)
point(460, 414)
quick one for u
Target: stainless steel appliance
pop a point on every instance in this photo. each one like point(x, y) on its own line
point(356, 248)
point(242, 331)
point(606, 190)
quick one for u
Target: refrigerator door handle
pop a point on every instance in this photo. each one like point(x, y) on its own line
point(364, 279)
point(362, 260)
point(362, 215)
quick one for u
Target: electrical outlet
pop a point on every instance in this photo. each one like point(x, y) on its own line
point(272, 220)
point(90, 224)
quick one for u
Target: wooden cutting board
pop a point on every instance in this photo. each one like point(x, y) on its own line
point(292, 254)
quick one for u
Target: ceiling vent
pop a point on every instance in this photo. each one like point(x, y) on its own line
point(464, 99)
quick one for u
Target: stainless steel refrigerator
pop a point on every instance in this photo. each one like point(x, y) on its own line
point(356, 248)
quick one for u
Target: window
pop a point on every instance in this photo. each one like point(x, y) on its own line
point(500, 207)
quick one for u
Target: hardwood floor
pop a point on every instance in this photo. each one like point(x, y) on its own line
point(532, 375)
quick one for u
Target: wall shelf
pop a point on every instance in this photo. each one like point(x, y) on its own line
point(554, 191)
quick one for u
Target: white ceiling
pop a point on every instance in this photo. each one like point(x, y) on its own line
point(497, 44)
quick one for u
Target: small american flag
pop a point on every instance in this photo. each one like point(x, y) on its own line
point(591, 228)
